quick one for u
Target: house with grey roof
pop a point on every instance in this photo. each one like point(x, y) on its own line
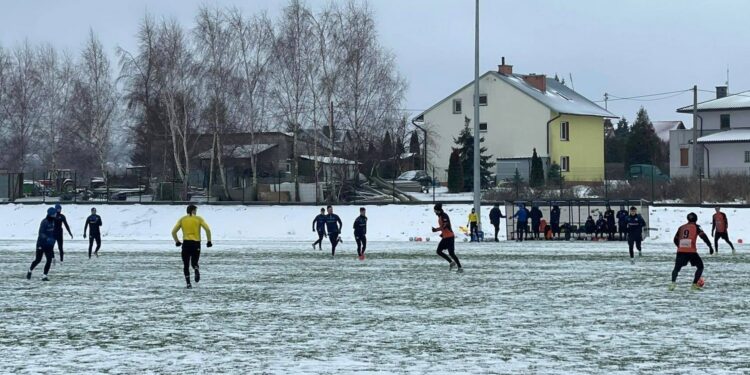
point(723, 137)
point(518, 113)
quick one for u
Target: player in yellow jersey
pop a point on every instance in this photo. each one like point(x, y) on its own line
point(191, 225)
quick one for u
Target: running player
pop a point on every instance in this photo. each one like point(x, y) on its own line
point(319, 224)
point(635, 225)
point(94, 221)
point(45, 244)
point(333, 226)
point(191, 225)
point(448, 238)
point(60, 220)
point(719, 226)
point(686, 239)
point(360, 233)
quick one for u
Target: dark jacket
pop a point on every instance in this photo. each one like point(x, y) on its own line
point(635, 227)
point(609, 215)
point(59, 221)
point(333, 224)
point(535, 215)
point(590, 225)
point(319, 223)
point(601, 225)
point(93, 223)
point(495, 215)
point(622, 219)
point(522, 214)
point(360, 225)
point(554, 215)
point(46, 238)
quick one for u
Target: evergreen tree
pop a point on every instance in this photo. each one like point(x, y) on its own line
point(643, 143)
point(455, 173)
point(370, 158)
point(554, 175)
point(536, 178)
point(414, 143)
point(387, 157)
point(466, 152)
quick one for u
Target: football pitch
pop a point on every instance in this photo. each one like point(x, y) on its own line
point(270, 307)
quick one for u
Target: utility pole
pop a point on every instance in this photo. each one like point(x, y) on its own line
point(477, 172)
point(606, 98)
point(696, 162)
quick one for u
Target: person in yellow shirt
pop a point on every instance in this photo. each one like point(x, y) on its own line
point(473, 226)
point(191, 225)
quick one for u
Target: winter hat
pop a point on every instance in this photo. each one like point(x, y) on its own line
point(51, 211)
point(58, 206)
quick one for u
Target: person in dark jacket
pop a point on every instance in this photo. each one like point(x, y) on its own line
point(609, 216)
point(554, 220)
point(45, 244)
point(319, 225)
point(333, 226)
point(495, 215)
point(622, 222)
point(360, 233)
point(536, 216)
point(522, 226)
point(635, 232)
point(93, 222)
point(601, 226)
point(60, 220)
point(590, 226)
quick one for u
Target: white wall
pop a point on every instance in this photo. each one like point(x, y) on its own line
point(679, 139)
point(737, 119)
point(516, 123)
point(727, 158)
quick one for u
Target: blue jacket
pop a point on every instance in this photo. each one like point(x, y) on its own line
point(522, 214)
point(360, 226)
point(635, 227)
point(46, 237)
point(333, 224)
point(622, 218)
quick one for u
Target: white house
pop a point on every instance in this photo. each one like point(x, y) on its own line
point(723, 137)
point(517, 114)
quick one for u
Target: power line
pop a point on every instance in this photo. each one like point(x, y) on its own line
point(641, 97)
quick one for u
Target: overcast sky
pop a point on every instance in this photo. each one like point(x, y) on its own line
point(625, 48)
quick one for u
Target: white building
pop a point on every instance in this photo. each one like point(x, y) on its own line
point(723, 137)
point(517, 114)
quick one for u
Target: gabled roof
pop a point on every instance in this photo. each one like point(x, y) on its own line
point(328, 160)
point(662, 128)
point(558, 97)
point(728, 136)
point(239, 152)
point(735, 101)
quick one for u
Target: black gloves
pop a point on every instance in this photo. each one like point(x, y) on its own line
point(209, 244)
point(178, 244)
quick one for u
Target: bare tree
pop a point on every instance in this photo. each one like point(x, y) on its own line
point(293, 58)
point(94, 101)
point(253, 40)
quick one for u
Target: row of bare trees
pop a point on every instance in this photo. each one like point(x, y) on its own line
point(232, 72)
point(57, 110)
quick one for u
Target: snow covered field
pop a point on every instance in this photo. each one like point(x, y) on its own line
point(281, 307)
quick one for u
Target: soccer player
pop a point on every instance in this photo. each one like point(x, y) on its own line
point(360, 233)
point(333, 226)
point(719, 226)
point(45, 243)
point(94, 221)
point(191, 225)
point(60, 220)
point(495, 215)
point(622, 222)
point(473, 225)
point(448, 238)
point(319, 224)
point(686, 239)
point(635, 225)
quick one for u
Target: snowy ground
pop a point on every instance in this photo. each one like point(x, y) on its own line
point(281, 307)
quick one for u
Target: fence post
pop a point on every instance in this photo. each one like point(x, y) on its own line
point(652, 183)
point(106, 181)
point(138, 185)
point(75, 187)
point(278, 187)
point(173, 183)
point(700, 188)
point(433, 184)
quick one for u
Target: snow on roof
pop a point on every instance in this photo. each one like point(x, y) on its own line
point(239, 152)
point(735, 101)
point(728, 136)
point(328, 160)
point(662, 128)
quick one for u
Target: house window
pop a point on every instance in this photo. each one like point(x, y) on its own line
point(483, 127)
point(724, 120)
point(685, 157)
point(564, 131)
point(747, 156)
point(565, 163)
point(482, 99)
point(456, 106)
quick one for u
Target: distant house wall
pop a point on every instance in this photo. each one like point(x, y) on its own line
point(583, 148)
point(727, 158)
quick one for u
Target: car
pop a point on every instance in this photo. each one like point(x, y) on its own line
point(416, 175)
point(646, 172)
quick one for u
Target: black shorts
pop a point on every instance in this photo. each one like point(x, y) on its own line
point(191, 246)
point(447, 244)
point(683, 259)
point(722, 235)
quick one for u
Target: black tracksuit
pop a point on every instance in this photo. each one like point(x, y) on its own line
point(319, 224)
point(360, 234)
point(635, 225)
point(495, 215)
point(45, 244)
point(93, 223)
point(554, 219)
point(622, 223)
point(59, 221)
point(333, 225)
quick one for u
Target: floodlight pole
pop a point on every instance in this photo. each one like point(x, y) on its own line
point(477, 172)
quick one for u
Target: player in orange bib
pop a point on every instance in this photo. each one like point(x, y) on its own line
point(686, 239)
point(448, 238)
point(719, 226)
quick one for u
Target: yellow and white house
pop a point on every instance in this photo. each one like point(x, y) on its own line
point(517, 114)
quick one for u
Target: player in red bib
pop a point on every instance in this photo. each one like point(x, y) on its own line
point(448, 238)
point(687, 252)
point(719, 226)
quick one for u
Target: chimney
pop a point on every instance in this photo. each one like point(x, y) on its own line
point(721, 91)
point(538, 81)
point(503, 69)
